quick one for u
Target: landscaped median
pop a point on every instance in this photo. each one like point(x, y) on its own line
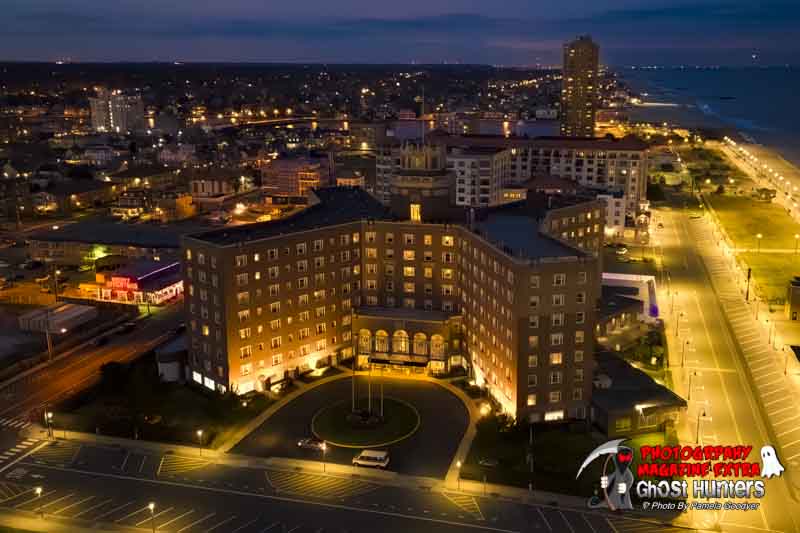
point(390, 421)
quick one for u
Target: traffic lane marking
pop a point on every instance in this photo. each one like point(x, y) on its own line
point(329, 505)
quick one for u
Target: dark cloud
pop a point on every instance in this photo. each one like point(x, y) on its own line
point(509, 32)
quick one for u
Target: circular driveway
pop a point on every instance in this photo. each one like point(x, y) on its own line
point(428, 452)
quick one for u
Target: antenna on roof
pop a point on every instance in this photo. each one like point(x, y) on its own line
point(422, 114)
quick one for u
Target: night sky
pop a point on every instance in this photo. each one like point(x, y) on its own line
point(503, 32)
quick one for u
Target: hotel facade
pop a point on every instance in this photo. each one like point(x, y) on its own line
point(507, 293)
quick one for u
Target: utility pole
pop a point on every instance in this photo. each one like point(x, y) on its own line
point(747, 290)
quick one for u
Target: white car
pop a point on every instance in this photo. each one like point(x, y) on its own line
point(373, 458)
point(622, 251)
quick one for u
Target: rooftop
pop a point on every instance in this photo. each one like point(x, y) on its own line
point(111, 232)
point(518, 235)
point(629, 143)
point(617, 299)
point(337, 205)
point(141, 171)
point(630, 387)
point(63, 188)
point(144, 268)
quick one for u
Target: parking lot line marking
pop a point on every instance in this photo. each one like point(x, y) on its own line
point(588, 523)
point(160, 464)
point(571, 529)
point(70, 506)
point(23, 456)
point(269, 527)
point(295, 528)
point(92, 508)
point(125, 461)
point(16, 495)
point(544, 518)
point(168, 522)
point(48, 504)
point(250, 523)
point(613, 528)
point(132, 513)
point(168, 509)
point(206, 517)
point(141, 466)
point(328, 505)
point(123, 506)
point(212, 528)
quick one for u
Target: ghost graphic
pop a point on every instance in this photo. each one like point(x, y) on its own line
point(770, 466)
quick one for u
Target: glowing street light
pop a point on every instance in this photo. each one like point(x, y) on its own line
point(759, 237)
point(324, 450)
point(199, 434)
point(48, 418)
point(152, 507)
point(38, 491)
point(458, 474)
point(700, 416)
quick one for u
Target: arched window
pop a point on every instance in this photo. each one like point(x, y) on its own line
point(437, 346)
point(400, 342)
point(420, 344)
point(364, 341)
point(381, 341)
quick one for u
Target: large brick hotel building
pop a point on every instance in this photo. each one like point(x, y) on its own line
point(509, 292)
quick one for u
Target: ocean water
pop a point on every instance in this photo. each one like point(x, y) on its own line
point(760, 103)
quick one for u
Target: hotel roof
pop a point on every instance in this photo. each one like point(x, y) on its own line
point(518, 235)
point(628, 143)
point(337, 205)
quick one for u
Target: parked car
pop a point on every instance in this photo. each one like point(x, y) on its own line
point(311, 443)
point(489, 463)
point(372, 458)
point(621, 251)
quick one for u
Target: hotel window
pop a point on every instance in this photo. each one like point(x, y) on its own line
point(319, 312)
point(241, 261)
point(533, 380)
point(302, 266)
point(241, 279)
point(244, 315)
point(303, 333)
point(409, 287)
point(555, 396)
point(245, 352)
point(448, 257)
point(427, 256)
point(447, 306)
point(408, 239)
point(317, 245)
point(578, 356)
point(372, 300)
point(409, 303)
point(274, 272)
point(558, 300)
point(557, 319)
point(428, 305)
point(277, 359)
point(369, 237)
point(533, 341)
point(321, 345)
point(372, 269)
point(580, 317)
point(256, 258)
point(556, 339)
point(408, 271)
point(555, 378)
point(372, 284)
point(201, 259)
point(416, 213)
point(356, 238)
point(188, 254)
point(275, 342)
point(534, 281)
point(578, 374)
point(427, 240)
point(447, 273)
point(205, 330)
point(533, 302)
point(533, 361)
point(372, 253)
point(320, 328)
point(344, 239)
point(275, 324)
point(408, 255)
point(533, 321)
point(275, 307)
point(559, 280)
point(389, 238)
point(447, 290)
point(577, 394)
point(274, 289)
point(447, 240)
point(427, 272)
point(556, 358)
point(579, 337)
point(244, 333)
point(531, 400)
point(272, 254)
point(319, 262)
point(300, 248)
point(243, 298)
point(388, 269)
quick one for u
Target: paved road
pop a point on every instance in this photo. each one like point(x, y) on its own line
point(707, 347)
point(428, 452)
point(28, 396)
point(111, 488)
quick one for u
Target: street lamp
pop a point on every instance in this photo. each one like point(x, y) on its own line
point(683, 353)
point(48, 418)
point(458, 474)
point(38, 491)
point(693, 374)
point(758, 237)
point(199, 434)
point(324, 449)
point(152, 507)
point(700, 415)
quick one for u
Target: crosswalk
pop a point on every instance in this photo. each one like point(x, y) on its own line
point(17, 424)
point(764, 362)
point(465, 502)
point(318, 486)
point(176, 464)
point(61, 453)
point(16, 450)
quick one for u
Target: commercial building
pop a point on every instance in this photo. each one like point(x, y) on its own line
point(580, 87)
point(140, 282)
point(58, 318)
point(296, 177)
point(491, 289)
point(482, 173)
point(115, 112)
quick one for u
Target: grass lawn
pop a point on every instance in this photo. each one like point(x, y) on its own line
point(131, 402)
point(558, 453)
point(334, 424)
point(772, 272)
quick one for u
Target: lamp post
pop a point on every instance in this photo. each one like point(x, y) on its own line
point(458, 474)
point(200, 440)
point(683, 353)
point(758, 239)
point(693, 374)
point(785, 361)
point(38, 491)
point(152, 507)
point(700, 415)
point(324, 449)
point(48, 419)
